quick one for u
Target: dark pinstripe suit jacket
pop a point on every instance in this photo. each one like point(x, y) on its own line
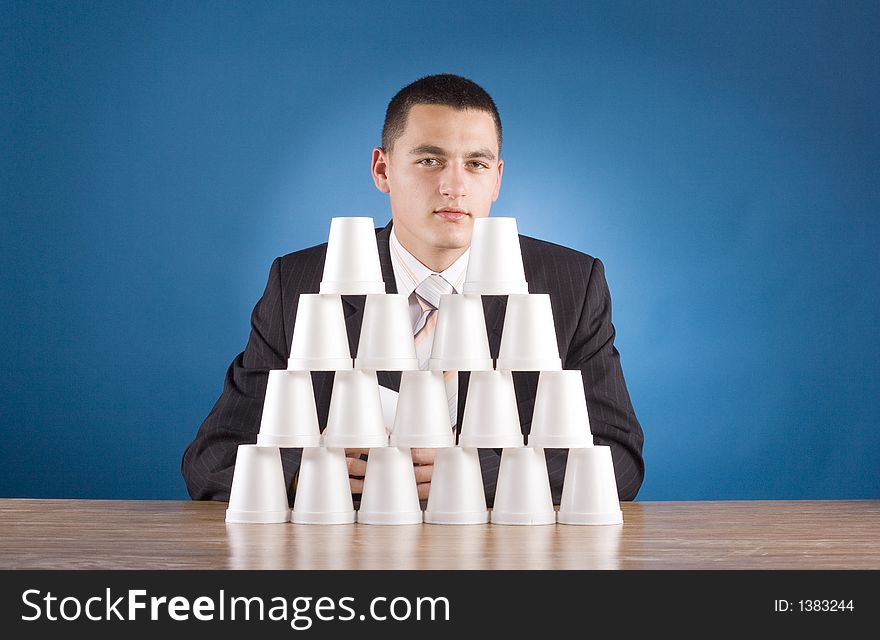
point(581, 307)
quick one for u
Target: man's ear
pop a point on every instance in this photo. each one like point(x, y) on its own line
point(379, 169)
point(498, 182)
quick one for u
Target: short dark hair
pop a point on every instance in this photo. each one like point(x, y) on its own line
point(443, 89)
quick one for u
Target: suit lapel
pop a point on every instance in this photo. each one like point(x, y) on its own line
point(383, 237)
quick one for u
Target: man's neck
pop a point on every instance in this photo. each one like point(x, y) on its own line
point(436, 259)
point(440, 260)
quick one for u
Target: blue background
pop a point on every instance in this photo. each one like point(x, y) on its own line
point(720, 158)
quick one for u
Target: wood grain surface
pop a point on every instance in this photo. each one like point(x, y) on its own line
point(109, 534)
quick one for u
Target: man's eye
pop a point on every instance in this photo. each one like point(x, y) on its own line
point(429, 162)
point(479, 165)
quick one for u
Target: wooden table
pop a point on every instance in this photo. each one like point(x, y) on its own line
point(102, 534)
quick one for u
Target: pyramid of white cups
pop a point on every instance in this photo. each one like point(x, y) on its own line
point(421, 418)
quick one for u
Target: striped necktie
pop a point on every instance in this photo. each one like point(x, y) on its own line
point(428, 296)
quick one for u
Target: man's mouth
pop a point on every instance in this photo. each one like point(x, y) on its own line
point(451, 213)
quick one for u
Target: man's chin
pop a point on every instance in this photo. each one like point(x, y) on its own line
point(456, 238)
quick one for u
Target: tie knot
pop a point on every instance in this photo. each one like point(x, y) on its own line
point(432, 288)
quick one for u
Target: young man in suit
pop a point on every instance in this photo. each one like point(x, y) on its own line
point(440, 164)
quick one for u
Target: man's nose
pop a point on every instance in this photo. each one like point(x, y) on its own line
point(452, 182)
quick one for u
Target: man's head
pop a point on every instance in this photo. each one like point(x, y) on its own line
point(440, 164)
point(445, 90)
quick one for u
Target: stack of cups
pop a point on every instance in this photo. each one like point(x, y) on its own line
point(351, 267)
point(528, 343)
point(290, 417)
point(356, 418)
point(561, 420)
point(319, 343)
point(422, 420)
point(491, 418)
point(390, 494)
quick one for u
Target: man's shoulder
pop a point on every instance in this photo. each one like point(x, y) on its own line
point(533, 247)
point(304, 256)
point(301, 271)
point(551, 267)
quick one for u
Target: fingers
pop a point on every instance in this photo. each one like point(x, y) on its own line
point(423, 473)
point(357, 467)
point(357, 485)
point(423, 456)
point(423, 466)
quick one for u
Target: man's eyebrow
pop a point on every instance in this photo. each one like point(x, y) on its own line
point(484, 153)
point(429, 149)
point(434, 150)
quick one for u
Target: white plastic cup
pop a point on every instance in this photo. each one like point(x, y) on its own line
point(495, 265)
point(528, 338)
point(290, 418)
point(490, 416)
point(386, 342)
point(388, 398)
point(589, 488)
point(422, 417)
point(352, 263)
point(390, 494)
point(560, 419)
point(522, 495)
point(457, 495)
point(258, 493)
point(320, 341)
point(355, 417)
point(323, 492)
point(460, 339)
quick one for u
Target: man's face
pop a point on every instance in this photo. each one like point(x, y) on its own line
point(441, 174)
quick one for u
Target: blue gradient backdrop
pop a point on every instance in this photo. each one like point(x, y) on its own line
point(721, 158)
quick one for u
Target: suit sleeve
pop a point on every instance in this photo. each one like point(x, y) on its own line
point(209, 460)
point(613, 421)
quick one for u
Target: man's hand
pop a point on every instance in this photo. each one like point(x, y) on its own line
point(357, 468)
point(423, 466)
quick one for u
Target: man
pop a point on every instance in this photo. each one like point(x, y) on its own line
point(440, 164)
